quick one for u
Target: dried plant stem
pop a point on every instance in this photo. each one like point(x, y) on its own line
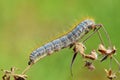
point(29, 66)
point(96, 30)
point(117, 62)
point(100, 37)
point(107, 35)
point(26, 69)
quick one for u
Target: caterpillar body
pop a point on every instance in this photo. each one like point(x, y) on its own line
point(62, 42)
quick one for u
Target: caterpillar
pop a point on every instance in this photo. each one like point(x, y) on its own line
point(64, 41)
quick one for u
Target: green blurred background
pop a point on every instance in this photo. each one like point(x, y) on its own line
point(27, 24)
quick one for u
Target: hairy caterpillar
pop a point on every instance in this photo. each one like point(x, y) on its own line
point(67, 40)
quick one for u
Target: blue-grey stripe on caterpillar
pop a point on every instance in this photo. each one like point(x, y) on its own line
point(67, 40)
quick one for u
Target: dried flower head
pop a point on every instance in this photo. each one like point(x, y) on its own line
point(11, 73)
point(106, 52)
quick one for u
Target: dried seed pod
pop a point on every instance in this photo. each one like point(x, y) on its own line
point(110, 74)
point(89, 65)
point(92, 55)
point(79, 47)
point(106, 52)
